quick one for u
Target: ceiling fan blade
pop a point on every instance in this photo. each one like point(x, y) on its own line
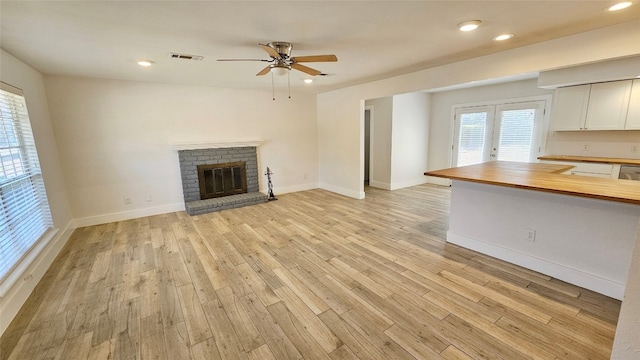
point(264, 71)
point(306, 69)
point(244, 60)
point(271, 51)
point(315, 58)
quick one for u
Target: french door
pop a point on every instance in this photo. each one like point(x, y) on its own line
point(509, 132)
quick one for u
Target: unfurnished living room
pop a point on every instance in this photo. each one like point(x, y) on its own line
point(319, 179)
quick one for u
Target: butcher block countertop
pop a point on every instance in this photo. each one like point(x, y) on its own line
point(591, 159)
point(544, 177)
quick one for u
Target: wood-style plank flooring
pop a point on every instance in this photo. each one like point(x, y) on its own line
point(313, 275)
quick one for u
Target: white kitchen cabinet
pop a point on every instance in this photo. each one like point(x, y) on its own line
point(633, 114)
point(570, 108)
point(601, 106)
point(608, 104)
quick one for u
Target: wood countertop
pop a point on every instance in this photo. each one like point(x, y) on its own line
point(591, 159)
point(544, 177)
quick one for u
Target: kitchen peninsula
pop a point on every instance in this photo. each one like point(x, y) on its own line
point(578, 229)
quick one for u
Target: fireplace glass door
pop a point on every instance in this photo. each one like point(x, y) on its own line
point(225, 179)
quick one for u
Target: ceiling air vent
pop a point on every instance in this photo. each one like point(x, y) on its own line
point(185, 56)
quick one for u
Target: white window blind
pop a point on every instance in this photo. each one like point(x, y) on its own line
point(516, 135)
point(471, 142)
point(24, 210)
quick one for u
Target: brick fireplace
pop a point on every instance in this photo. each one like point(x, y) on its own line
point(231, 155)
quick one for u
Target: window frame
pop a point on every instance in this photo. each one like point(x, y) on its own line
point(26, 224)
point(541, 131)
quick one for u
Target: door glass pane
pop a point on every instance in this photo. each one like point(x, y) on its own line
point(516, 135)
point(218, 180)
point(237, 178)
point(471, 141)
point(227, 179)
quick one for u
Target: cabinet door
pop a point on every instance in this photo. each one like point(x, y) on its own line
point(633, 115)
point(608, 104)
point(570, 108)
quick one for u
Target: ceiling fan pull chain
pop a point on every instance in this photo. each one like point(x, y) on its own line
point(289, 82)
point(273, 88)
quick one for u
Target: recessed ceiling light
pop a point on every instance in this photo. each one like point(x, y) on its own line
point(503, 37)
point(145, 63)
point(469, 25)
point(308, 81)
point(620, 6)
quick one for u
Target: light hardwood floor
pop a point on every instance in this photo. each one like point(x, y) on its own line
point(313, 275)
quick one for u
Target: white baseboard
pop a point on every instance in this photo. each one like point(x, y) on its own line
point(573, 276)
point(127, 215)
point(277, 190)
point(18, 292)
point(342, 191)
point(408, 183)
point(379, 185)
point(438, 181)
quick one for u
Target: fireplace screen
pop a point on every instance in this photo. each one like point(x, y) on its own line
point(222, 179)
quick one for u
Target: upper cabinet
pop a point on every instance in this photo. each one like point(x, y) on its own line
point(608, 104)
point(602, 106)
point(633, 115)
point(570, 108)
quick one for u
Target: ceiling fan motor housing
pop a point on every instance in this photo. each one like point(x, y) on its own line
point(283, 48)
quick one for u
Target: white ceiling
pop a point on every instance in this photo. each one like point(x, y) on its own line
point(372, 39)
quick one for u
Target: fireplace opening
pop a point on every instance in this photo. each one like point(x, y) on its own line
point(224, 179)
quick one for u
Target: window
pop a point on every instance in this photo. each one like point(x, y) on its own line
point(473, 129)
point(506, 132)
point(24, 211)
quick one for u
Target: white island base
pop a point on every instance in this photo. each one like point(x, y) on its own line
point(583, 241)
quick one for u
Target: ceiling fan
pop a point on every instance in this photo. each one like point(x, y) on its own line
point(281, 60)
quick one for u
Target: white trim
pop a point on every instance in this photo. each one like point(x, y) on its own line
point(342, 191)
point(371, 137)
point(573, 276)
point(408, 183)
point(216, 145)
point(127, 215)
point(15, 295)
point(278, 190)
point(438, 181)
point(24, 263)
point(379, 184)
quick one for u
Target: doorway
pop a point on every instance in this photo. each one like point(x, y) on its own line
point(367, 145)
point(509, 132)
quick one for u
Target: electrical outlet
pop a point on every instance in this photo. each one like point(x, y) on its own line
point(585, 147)
point(530, 235)
point(634, 148)
point(127, 200)
point(147, 198)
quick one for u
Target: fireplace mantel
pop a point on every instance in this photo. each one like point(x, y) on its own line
point(216, 145)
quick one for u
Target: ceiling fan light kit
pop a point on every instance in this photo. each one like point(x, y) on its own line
point(279, 69)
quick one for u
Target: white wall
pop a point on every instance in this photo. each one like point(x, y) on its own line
point(583, 241)
point(381, 117)
point(115, 137)
point(340, 111)
point(410, 133)
point(601, 143)
point(341, 144)
point(441, 130)
point(627, 342)
point(20, 75)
